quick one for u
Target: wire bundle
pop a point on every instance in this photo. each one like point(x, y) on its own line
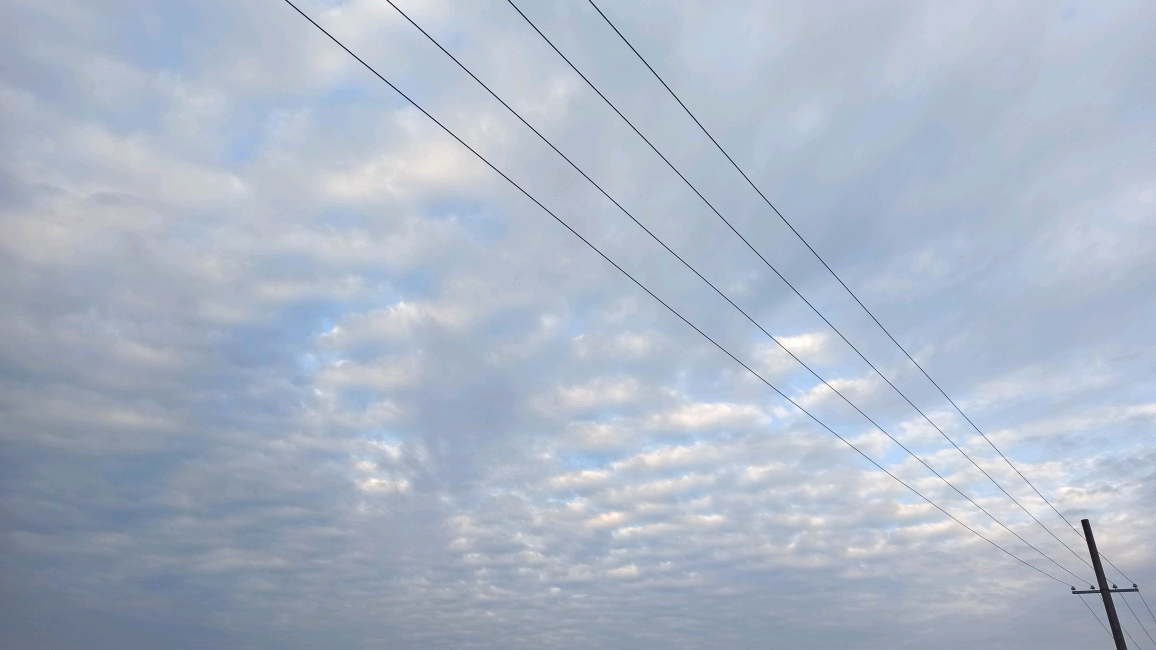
point(752, 320)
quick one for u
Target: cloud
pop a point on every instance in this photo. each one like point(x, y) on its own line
point(599, 392)
point(701, 416)
point(281, 364)
point(396, 321)
point(397, 174)
point(632, 344)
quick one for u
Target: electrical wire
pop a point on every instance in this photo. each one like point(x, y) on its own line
point(1143, 600)
point(717, 290)
point(1124, 597)
point(1093, 612)
point(1108, 561)
point(787, 282)
point(865, 309)
point(769, 265)
point(673, 311)
point(1134, 644)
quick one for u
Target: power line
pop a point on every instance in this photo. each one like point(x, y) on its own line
point(717, 290)
point(1095, 616)
point(1142, 627)
point(1129, 636)
point(865, 309)
point(767, 263)
point(662, 302)
point(1142, 599)
point(784, 279)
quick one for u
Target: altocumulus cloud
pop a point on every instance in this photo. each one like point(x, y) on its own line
point(283, 366)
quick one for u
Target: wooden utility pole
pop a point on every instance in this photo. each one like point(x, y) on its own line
point(1105, 592)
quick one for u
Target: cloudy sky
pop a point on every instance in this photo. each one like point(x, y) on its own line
point(282, 365)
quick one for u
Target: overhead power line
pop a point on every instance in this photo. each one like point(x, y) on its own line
point(732, 303)
point(672, 310)
point(1124, 597)
point(1134, 644)
point(1143, 600)
point(862, 305)
point(783, 278)
point(1095, 616)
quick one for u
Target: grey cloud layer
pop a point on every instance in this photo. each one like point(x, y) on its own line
point(283, 366)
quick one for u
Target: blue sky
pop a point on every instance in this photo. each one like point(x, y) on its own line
point(283, 366)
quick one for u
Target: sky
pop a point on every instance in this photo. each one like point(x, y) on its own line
point(283, 365)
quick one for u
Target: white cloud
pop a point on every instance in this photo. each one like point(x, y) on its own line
point(606, 519)
point(628, 571)
point(280, 360)
point(628, 344)
point(598, 392)
point(396, 175)
point(708, 415)
point(599, 435)
point(580, 478)
point(399, 320)
point(384, 486)
point(383, 374)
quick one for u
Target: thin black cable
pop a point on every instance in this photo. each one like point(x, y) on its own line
point(1143, 600)
point(780, 275)
point(661, 301)
point(860, 302)
point(1107, 560)
point(1134, 644)
point(716, 289)
point(1124, 597)
point(1095, 616)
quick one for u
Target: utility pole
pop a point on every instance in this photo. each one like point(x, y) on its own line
point(1104, 591)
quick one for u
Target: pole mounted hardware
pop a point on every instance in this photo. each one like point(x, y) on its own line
point(1093, 590)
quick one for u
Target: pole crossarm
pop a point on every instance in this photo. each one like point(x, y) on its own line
point(1113, 590)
